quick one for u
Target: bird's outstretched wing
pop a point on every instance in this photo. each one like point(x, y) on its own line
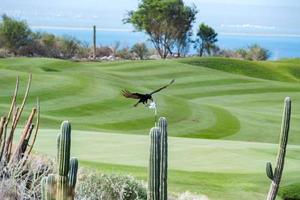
point(172, 81)
point(128, 94)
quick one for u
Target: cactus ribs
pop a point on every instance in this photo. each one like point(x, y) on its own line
point(143, 98)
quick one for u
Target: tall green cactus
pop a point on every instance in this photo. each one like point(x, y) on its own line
point(162, 124)
point(276, 175)
point(154, 165)
point(62, 186)
point(158, 162)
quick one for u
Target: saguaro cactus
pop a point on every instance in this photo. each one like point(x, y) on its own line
point(158, 162)
point(62, 186)
point(276, 175)
point(154, 165)
point(162, 124)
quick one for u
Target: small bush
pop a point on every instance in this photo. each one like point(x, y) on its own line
point(187, 196)
point(256, 52)
point(290, 192)
point(125, 53)
point(69, 46)
point(103, 51)
point(2, 53)
point(94, 186)
point(23, 182)
point(253, 52)
point(141, 50)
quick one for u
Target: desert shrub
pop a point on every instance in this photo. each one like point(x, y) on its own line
point(2, 53)
point(256, 52)
point(253, 52)
point(1, 39)
point(141, 50)
point(290, 192)
point(241, 53)
point(32, 48)
point(23, 182)
point(48, 45)
point(68, 46)
point(83, 51)
point(187, 196)
point(124, 53)
point(94, 186)
point(103, 51)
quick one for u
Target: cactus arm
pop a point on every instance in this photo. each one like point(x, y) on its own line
point(269, 171)
point(73, 176)
point(154, 165)
point(18, 153)
point(36, 127)
point(162, 124)
point(64, 149)
point(16, 120)
point(62, 191)
point(51, 187)
point(62, 186)
point(73, 172)
point(281, 151)
point(43, 188)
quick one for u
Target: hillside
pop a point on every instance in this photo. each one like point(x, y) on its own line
point(212, 98)
point(236, 103)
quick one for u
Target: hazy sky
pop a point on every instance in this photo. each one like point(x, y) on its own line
point(229, 16)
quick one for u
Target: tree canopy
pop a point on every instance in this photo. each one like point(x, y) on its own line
point(14, 33)
point(166, 22)
point(207, 39)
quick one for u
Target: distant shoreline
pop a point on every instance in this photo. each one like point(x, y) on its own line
point(280, 45)
point(131, 30)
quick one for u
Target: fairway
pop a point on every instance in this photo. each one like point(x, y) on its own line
point(224, 117)
point(212, 167)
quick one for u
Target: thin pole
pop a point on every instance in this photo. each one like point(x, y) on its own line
point(94, 42)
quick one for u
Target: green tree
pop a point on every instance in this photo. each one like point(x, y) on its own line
point(15, 34)
point(207, 39)
point(256, 52)
point(68, 46)
point(164, 21)
point(140, 49)
point(183, 27)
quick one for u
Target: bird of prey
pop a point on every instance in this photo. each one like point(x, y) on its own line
point(143, 98)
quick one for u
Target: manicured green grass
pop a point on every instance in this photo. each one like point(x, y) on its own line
point(237, 103)
point(290, 192)
point(217, 168)
point(205, 102)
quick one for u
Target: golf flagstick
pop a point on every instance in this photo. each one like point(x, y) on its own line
point(152, 105)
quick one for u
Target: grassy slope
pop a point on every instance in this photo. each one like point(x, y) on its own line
point(206, 102)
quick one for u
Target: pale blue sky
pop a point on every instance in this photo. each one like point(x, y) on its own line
point(229, 16)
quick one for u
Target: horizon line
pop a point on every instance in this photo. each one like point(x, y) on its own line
point(131, 30)
point(81, 28)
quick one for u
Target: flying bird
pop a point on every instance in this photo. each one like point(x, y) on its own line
point(143, 98)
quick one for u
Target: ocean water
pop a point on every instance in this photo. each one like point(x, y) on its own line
point(280, 46)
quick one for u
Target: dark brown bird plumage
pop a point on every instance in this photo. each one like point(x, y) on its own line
point(143, 98)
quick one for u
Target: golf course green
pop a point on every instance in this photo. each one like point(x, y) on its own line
point(224, 117)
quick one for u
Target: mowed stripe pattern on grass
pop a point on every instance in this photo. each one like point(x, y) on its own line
point(206, 100)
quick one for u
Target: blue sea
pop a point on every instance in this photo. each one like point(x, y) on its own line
point(280, 46)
